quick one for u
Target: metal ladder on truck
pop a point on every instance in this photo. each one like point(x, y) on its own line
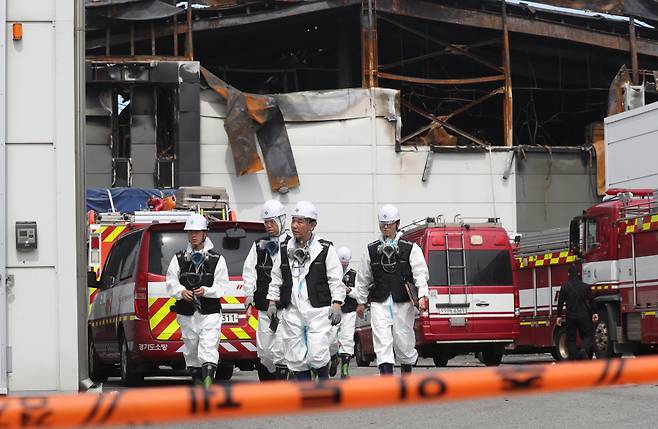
point(462, 267)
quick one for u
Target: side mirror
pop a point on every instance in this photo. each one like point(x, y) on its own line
point(91, 279)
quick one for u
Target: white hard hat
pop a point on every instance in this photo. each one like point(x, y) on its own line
point(196, 222)
point(344, 254)
point(305, 209)
point(272, 209)
point(388, 213)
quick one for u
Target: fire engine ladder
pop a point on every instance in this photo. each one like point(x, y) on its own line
point(461, 267)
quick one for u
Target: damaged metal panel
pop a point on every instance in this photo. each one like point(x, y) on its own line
point(239, 128)
point(146, 10)
point(277, 152)
point(103, 3)
point(248, 115)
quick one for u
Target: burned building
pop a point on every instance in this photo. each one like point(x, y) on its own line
point(534, 79)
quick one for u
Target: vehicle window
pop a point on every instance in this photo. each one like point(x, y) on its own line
point(164, 245)
point(112, 267)
point(131, 244)
point(483, 268)
point(590, 234)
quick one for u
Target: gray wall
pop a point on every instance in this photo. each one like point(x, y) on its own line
point(550, 190)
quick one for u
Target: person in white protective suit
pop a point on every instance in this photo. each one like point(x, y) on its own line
point(256, 275)
point(342, 347)
point(197, 277)
point(306, 284)
point(393, 277)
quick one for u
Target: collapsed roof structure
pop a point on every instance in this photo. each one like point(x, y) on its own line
point(472, 75)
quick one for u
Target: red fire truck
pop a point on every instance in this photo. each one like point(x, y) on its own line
point(616, 244)
point(473, 302)
point(131, 327)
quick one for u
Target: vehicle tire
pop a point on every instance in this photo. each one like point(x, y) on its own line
point(225, 372)
point(361, 360)
point(98, 371)
point(129, 376)
point(440, 361)
point(560, 351)
point(492, 357)
point(479, 357)
point(603, 344)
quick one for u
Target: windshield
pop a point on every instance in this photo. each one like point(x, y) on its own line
point(483, 268)
point(165, 244)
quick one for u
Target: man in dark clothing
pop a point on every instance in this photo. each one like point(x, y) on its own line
point(579, 300)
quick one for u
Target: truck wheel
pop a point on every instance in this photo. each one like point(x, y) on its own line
point(224, 372)
point(560, 351)
point(98, 371)
point(360, 358)
point(603, 343)
point(129, 376)
point(492, 357)
point(440, 361)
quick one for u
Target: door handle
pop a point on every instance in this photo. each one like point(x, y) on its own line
point(482, 304)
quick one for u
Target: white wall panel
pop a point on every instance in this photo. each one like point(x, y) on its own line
point(32, 76)
point(35, 352)
point(30, 10)
point(336, 159)
point(33, 196)
point(631, 148)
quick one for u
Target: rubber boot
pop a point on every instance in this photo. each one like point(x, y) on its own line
point(302, 375)
point(345, 366)
point(195, 372)
point(208, 370)
point(281, 372)
point(323, 373)
point(386, 369)
point(333, 368)
point(264, 374)
point(405, 369)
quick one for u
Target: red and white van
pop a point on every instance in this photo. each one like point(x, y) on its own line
point(130, 323)
point(473, 302)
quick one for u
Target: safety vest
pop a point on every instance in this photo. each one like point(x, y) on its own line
point(350, 303)
point(390, 283)
point(263, 275)
point(208, 305)
point(317, 283)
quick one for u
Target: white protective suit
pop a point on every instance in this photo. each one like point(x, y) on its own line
point(268, 343)
point(201, 332)
point(393, 322)
point(306, 330)
point(343, 334)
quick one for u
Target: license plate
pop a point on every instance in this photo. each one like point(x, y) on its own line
point(452, 310)
point(229, 318)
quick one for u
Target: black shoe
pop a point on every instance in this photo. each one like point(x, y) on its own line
point(195, 372)
point(302, 375)
point(386, 369)
point(333, 368)
point(405, 369)
point(323, 373)
point(208, 370)
point(345, 366)
point(281, 372)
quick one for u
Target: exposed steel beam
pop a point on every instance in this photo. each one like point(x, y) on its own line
point(444, 124)
point(508, 112)
point(450, 46)
point(464, 81)
point(516, 24)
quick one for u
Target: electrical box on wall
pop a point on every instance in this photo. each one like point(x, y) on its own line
point(26, 236)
